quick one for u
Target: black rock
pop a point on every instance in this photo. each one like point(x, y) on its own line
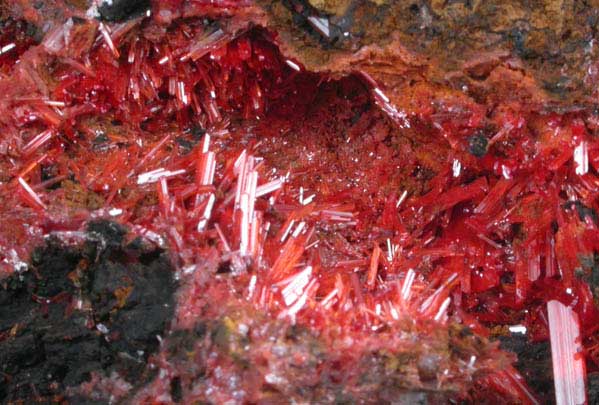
point(593, 389)
point(116, 10)
point(534, 363)
point(48, 345)
point(477, 145)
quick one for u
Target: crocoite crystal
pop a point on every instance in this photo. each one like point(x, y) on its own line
point(336, 237)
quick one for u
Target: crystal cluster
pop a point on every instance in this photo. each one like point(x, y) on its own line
point(328, 244)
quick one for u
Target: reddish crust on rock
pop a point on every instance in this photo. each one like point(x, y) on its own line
point(399, 214)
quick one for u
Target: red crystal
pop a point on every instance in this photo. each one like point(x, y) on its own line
point(329, 211)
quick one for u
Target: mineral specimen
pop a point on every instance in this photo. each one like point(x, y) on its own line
point(360, 201)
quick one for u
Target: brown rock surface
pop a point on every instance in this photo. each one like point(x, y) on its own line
point(535, 52)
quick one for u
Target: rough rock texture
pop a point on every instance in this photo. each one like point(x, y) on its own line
point(93, 308)
point(474, 44)
point(534, 363)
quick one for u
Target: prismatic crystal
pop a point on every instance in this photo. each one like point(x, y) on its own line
point(325, 209)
